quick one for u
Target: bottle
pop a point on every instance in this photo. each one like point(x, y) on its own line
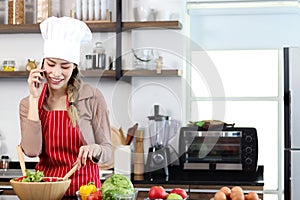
point(99, 51)
point(91, 10)
point(16, 11)
point(88, 61)
point(55, 8)
point(43, 11)
point(4, 162)
point(103, 9)
point(97, 9)
point(3, 11)
point(30, 12)
point(78, 9)
point(84, 6)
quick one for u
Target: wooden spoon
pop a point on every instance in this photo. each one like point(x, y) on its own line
point(66, 177)
point(21, 159)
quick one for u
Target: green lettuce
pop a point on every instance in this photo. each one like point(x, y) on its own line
point(116, 184)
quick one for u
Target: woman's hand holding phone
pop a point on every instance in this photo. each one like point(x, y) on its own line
point(35, 79)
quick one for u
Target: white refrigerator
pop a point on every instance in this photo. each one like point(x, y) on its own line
point(291, 123)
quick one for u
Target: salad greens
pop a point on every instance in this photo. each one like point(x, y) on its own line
point(33, 176)
point(116, 184)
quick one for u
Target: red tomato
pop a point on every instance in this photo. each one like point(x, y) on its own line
point(179, 191)
point(95, 196)
point(19, 178)
point(50, 179)
point(157, 192)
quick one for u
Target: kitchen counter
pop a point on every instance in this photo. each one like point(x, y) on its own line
point(197, 177)
point(176, 175)
point(10, 173)
point(200, 184)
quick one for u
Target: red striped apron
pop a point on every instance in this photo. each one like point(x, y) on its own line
point(61, 143)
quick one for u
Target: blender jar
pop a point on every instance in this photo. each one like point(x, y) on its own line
point(158, 128)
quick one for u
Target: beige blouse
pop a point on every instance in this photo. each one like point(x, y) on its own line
point(94, 124)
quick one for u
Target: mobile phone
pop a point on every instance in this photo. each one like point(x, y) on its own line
point(37, 85)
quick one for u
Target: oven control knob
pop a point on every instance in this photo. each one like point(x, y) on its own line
point(248, 138)
point(248, 161)
point(248, 150)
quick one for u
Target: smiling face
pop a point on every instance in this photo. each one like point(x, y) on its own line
point(58, 72)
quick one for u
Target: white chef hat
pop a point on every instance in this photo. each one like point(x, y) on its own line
point(63, 37)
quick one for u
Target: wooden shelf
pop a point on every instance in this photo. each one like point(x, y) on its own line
point(151, 73)
point(35, 28)
point(98, 73)
point(151, 25)
point(15, 74)
point(104, 73)
point(95, 26)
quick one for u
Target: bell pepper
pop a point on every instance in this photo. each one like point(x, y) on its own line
point(86, 190)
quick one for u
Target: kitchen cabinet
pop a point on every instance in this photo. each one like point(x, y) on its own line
point(97, 26)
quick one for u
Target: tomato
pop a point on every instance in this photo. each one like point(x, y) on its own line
point(157, 192)
point(50, 179)
point(179, 191)
point(95, 196)
point(20, 178)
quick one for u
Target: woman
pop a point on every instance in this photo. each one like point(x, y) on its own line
point(64, 121)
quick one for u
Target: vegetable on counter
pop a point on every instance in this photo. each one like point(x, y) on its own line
point(89, 192)
point(180, 192)
point(87, 189)
point(159, 192)
point(114, 185)
point(31, 176)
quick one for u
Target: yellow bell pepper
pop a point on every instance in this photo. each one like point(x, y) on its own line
point(86, 190)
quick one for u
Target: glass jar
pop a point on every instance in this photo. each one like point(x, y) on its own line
point(4, 162)
point(99, 51)
point(88, 61)
point(8, 65)
point(16, 12)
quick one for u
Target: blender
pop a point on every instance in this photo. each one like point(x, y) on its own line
point(158, 155)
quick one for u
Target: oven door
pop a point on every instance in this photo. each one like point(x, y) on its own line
point(212, 150)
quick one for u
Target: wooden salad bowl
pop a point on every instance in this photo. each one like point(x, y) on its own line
point(40, 190)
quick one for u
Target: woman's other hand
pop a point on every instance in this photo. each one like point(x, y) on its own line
point(88, 152)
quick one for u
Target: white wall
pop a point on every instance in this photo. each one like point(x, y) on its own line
point(125, 104)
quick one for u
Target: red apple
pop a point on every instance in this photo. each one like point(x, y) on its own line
point(157, 192)
point(179, 191)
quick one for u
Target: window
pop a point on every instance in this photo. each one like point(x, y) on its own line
point(250, 98)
